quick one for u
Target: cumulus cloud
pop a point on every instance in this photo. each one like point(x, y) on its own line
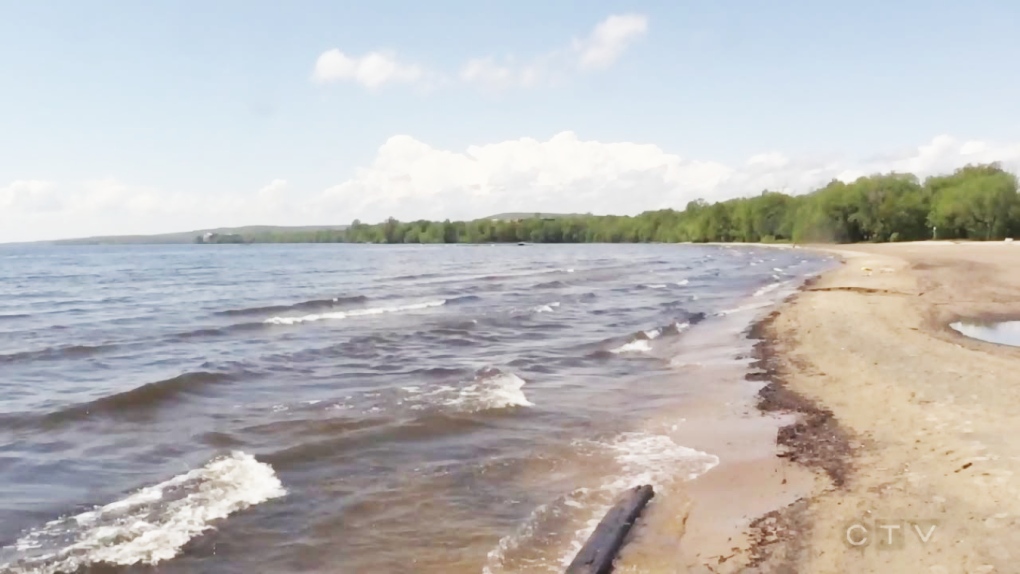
point(410, 179)
point(370, 70)
point(600, 49)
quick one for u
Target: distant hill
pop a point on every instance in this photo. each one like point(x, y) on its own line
point(189, 236)
point(532, 215)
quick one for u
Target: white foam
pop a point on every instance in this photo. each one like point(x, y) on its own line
point(653, 334)
point(496, 390)
point(656, 286)
point(743, 308)
point(151, 525)
point(635, 346)
point(655, 459)
point(766, 289)
point(683, 282)
point(642, 458)
point(354, 313)
point(546, 308)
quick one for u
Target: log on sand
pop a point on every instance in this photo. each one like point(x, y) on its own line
point(597, 555)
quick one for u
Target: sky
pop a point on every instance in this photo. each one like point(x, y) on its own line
point(151, 117)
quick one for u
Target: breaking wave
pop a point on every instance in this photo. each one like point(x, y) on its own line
point(490, 389)
point(635, 346)
point(150, 525)
point(545, 308)
point(311, 305)
point(354, 313)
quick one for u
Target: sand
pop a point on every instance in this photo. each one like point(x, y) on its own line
point(912, 429)
point(883, 440)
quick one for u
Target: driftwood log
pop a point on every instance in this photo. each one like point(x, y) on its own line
point(598, 553)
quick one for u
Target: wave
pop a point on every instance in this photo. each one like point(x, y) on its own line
point(641, 458)
point(411, 277)
point(640, 342)
point(303, 306)
point(151, 525)
point(491, 389)
point(141, 399)
point(766, 289)
point(440, 401)
point(552, 285)
point(635, 346)
point(546, 308)
point(14, 316)
point(63, 352)
point(312, 442)
point(353, 313)
point(634, 458)
point(463, 299)
point(214, 331)
point(744, 308)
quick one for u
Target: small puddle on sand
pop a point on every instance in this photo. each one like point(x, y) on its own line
point(1002, 333)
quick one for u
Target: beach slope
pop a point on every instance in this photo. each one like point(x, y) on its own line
point(927, 477)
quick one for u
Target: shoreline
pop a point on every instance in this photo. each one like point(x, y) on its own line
point(814, 440)
point(901, 419)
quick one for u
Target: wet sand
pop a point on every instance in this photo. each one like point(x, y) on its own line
point(909, 429)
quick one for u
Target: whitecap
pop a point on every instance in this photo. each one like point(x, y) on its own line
point(635, 346)
point(354, 313)
point(492, 389)
point(152, 524)
point(546, 308)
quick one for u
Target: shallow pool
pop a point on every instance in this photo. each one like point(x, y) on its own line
point(1002, 333)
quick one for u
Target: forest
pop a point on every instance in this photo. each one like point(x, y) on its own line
point(976, 202)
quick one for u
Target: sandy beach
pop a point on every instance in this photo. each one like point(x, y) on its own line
point(908, 426)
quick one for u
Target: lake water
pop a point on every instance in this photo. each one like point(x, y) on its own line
point(343, 408)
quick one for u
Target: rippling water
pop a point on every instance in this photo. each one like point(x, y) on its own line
point(338, 408)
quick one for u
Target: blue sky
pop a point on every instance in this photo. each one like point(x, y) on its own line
point(123, 117)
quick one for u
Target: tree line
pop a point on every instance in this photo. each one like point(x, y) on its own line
point(977, 202)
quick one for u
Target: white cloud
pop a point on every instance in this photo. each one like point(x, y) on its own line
point(609, 40)
point(113, 207)
point(371, 70)
point(410, 179)
point(490, 74)
point(274, 190)
point(600, 49)
point(29, 196)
